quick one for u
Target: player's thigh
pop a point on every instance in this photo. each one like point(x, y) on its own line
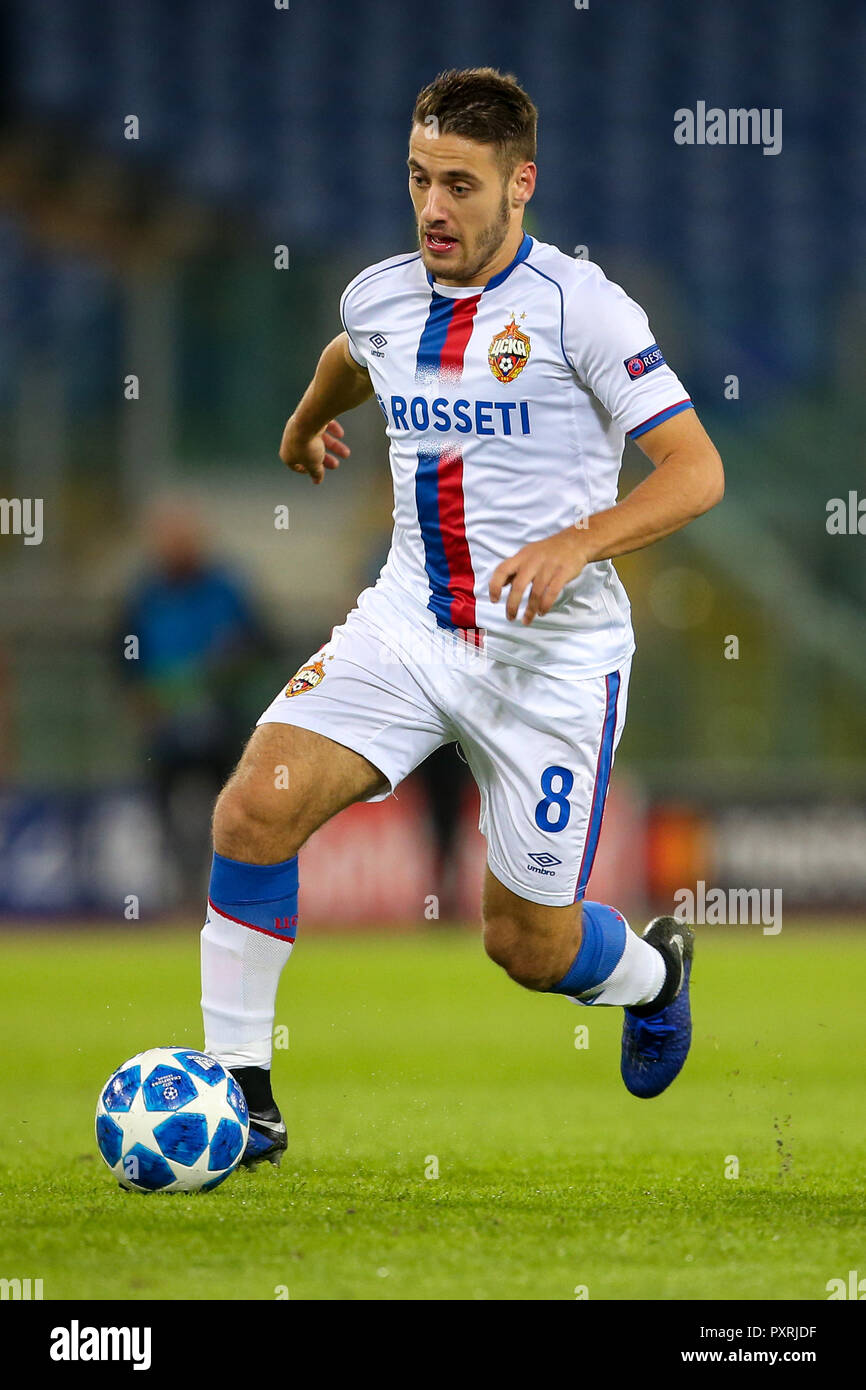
point(350, 725)
point(293, 778)
point(542, 757)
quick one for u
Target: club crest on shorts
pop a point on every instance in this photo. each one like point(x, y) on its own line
point(508, 354)
point(307, 678)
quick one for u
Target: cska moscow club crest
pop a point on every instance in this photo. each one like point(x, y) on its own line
point(307, 678)
point(508, 354)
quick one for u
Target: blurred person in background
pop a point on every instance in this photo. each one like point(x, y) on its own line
point(445, 777)
point(198, 637)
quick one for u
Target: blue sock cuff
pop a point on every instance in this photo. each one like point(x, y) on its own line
point(261, 896)
point(601, 949)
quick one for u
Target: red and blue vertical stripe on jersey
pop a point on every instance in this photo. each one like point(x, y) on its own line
point(602, 780)
point(439, 476)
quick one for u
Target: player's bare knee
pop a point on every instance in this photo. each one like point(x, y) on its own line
point(495, 938)
point(524, 959)
point(251, 827)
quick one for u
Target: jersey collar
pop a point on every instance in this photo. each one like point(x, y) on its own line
point(467, 291)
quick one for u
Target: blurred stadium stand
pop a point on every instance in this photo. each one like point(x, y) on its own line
point(260, 128)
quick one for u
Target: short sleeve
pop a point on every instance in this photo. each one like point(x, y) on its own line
point(345, 316)
point(610, 344)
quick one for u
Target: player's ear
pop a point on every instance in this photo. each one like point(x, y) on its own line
point(523, 183)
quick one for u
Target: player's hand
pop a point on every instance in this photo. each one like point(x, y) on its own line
point(314, 456)
point(543, 567)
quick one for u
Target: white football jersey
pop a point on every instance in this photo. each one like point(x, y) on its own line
point(507, 408)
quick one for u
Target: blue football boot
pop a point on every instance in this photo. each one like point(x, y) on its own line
point(656, 1036)
point(268, 1139)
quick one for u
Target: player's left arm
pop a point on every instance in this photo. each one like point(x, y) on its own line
point(687, 480)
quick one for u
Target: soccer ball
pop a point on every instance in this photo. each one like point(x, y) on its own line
point(171, 1120)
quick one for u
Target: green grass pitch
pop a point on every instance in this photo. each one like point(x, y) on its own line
point(413, 1053)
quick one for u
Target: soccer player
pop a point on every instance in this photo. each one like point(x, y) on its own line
point(509, 376)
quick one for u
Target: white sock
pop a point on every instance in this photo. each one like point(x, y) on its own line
point(240, 971)
point(636, 978)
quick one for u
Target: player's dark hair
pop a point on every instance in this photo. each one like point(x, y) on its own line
point(484, 105)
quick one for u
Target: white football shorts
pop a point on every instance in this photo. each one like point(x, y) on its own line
point(540, 747)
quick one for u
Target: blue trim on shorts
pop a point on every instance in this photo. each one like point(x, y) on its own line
point(602, 780)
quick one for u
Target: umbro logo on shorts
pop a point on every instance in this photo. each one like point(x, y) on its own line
point(543, 862)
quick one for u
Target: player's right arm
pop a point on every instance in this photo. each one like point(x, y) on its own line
point(313, 437)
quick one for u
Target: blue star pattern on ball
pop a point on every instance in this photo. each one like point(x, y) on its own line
point(171, 1120)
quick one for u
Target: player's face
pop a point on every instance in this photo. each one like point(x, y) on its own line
point(466, 210)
